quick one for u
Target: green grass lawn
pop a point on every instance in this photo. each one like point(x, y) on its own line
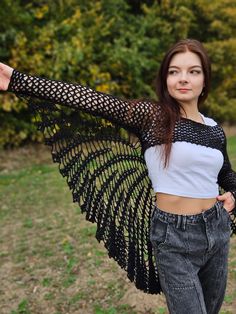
point(231, 148)
point(50, 262)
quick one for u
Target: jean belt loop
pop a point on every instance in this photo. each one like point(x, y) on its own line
point(217, 208)
point(217, 211)
point(184, 222)
point(179, 220)
point(153, 211)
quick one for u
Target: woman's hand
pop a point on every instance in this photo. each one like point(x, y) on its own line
point(5, 76)
point(228, 200)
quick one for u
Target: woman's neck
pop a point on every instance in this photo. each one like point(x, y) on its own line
point(191, 113)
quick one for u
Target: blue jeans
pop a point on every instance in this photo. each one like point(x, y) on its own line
point(191, 253)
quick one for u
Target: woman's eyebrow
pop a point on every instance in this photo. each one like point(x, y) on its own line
point(192, 66)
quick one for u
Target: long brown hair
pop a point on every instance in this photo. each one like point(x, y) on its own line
point(171, 108)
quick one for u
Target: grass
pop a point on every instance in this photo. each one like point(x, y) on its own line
point(231, 148)
point(50, 261)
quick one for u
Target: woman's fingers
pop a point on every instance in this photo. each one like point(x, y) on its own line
point(5, 76)
point(228, 201)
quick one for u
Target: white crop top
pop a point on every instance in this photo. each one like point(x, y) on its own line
point(192, 171)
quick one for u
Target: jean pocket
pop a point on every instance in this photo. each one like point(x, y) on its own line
point(227, 215)
point(159, 232)
point(224, 209)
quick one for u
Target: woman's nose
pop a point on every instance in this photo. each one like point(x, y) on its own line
point(183, 77)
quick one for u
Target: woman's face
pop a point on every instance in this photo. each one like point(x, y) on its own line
point(185, 78)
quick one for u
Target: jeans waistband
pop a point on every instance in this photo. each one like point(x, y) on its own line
point(182, 220)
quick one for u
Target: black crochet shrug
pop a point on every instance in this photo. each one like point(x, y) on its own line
point(104, 165)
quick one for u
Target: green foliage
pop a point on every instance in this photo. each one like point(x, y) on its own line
point(114, 46)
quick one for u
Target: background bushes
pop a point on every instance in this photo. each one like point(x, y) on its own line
point(114, 46)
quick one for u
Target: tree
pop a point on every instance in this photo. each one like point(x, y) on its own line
point(114, 46)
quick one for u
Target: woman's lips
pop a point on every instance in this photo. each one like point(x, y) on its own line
point(183, 90)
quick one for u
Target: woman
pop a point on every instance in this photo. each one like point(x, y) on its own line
point(185, 154)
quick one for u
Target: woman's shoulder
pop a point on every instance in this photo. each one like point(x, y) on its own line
point(209, 121)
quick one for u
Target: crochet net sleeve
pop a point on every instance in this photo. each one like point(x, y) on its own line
point(103, 166)
point(80, 97)
point(227, 176)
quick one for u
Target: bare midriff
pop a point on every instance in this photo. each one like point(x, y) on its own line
point(183, 205)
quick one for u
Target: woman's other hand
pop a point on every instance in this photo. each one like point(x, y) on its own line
point(5, 76)
point(228, 200)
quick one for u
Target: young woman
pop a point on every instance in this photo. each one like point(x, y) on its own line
point(185, 156)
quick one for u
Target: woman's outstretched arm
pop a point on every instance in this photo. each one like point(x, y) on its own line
point(76, 96)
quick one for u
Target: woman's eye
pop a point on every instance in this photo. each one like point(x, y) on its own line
point(195, 72)
point(176, 72)
point(172, 72)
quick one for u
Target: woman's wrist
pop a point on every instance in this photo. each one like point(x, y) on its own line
point(233, 197)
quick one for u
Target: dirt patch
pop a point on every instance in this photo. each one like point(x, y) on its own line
point(142, 302)
point(16, 158)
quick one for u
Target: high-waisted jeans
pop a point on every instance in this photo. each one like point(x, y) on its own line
point(191, 253)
